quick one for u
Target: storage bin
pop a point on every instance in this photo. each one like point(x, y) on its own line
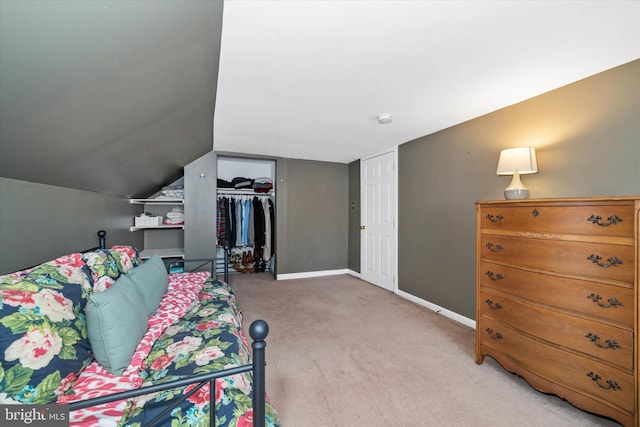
point(147, 221)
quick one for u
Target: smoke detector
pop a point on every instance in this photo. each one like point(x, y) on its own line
point(385, 118)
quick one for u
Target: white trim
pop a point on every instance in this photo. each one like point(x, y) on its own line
point(353, 273)
point(440, 310)
point(395, 221)
point(307, 274)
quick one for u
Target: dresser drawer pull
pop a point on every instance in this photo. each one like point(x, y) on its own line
point(612, 344)
point(493, 276)
point(494, 336)
point(597, 259)
point(492, 306)
point(610, 385)
point(596, 219)
point(494, 248)
point(612, 302)
point(496, 218)
point(535, 212)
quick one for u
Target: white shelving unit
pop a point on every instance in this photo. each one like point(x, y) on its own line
point(156, 227)
point(157, 201)
point(161, 252)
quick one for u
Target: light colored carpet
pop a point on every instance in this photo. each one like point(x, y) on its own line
point(343, 352)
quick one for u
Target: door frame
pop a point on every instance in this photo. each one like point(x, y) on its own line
point(394, 236)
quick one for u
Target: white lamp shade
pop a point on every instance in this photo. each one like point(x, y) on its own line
point(520, 160)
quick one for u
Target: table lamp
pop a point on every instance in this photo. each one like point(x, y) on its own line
point(516, 162)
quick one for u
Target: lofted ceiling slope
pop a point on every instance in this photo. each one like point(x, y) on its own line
point(107, 96)
point(118, 96)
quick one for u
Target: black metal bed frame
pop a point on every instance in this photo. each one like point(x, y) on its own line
point(258, 331)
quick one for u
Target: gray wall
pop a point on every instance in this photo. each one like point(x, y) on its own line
point(200, 180)
point(587, 137)
point(354, 216)
point(40, 222)
point(311, 215)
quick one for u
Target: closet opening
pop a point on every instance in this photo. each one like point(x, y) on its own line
point(245, 214)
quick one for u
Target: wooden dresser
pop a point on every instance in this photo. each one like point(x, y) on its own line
point(557, 297)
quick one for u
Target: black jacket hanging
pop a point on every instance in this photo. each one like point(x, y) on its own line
point(232, 231)
point(223, 206)
point(273, 226)
point(258, 219)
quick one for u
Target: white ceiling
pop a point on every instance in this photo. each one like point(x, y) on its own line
point(307, 79)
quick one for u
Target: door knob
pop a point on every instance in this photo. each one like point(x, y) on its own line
point(362, 227)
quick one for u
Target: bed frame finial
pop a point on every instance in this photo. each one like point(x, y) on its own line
point(258, 330)
point(101, 239)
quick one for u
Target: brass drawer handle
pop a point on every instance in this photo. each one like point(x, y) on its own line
point(610, 384)
point(596, 219)
point(612, 302)
point(494, 336)
point(597, 259)
point(493, 276)
point(494, 248)
point(492, 306)
point(496, 218)
point(612, 344)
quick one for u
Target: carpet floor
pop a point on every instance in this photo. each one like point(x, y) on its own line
point(343, 352)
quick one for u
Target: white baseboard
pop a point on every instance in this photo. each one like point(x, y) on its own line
point(353, 273)
point(440, 310)
point(307, 274)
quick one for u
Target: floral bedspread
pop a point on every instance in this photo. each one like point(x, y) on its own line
point(95, 381)
point(196, 330)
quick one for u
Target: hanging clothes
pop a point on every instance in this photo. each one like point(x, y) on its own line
point(223, 209)
point(234, 224)
point(272, 220)
point(218, 221)
point(266, 253)
point(258, 218)
point(238, 230)
point(245, 227)
point(246, 211)
point(251, 231)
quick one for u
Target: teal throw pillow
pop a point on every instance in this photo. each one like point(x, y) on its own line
point(151, 280)
point(116, 321)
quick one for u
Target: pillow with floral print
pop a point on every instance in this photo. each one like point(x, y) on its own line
point(104, 269)
point(127, 257)
point(43, 333)
point(108, 264)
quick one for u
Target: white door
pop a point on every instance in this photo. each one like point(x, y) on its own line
point(377, 216)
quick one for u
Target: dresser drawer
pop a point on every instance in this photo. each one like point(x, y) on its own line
point(597, 339)
point(593, 220)
point(587, 259)
point(605, 301)
point(583, 374)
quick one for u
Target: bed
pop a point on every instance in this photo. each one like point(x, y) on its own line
point(191, 354)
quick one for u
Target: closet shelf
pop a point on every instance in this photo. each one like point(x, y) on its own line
point(155, 227)
point(243, 192)
point(157, 201)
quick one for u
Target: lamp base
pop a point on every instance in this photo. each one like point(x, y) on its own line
point(516, 190)
point(516, 194)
